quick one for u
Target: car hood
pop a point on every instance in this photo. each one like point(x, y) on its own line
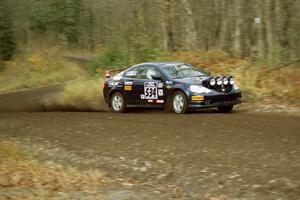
point(192, 80)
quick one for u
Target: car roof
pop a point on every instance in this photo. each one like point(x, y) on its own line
point(159, 64)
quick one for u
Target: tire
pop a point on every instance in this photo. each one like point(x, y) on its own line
point(117, 102)
point(225, 109)
point(179, 103)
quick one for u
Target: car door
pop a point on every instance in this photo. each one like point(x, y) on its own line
point(129, 88)
point(147, 90)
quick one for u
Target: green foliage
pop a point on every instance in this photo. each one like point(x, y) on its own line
point(47, 16)
point(110, 58)
point(58, 17)
point(7, 34)
point(143, 42)
point(143, 51)
point(88, 25)
point(280, 55)
point(71, 20)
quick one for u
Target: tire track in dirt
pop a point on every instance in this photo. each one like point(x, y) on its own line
point(27, 100)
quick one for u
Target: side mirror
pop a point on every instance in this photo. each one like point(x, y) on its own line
point(157, 77)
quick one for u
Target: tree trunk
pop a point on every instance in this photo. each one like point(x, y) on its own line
point(238, 28)
point(190, 31)
point(268, 22)
point(259, 29)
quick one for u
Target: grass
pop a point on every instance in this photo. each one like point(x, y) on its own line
point(36, 68)
point(82, 94)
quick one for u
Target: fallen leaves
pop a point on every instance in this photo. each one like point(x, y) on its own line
point(26, 172)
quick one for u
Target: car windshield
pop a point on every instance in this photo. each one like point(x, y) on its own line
point(182, 71)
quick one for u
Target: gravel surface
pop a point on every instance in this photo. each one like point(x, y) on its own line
point(167, 156)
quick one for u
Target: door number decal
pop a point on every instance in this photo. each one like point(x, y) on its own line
point(150, 90)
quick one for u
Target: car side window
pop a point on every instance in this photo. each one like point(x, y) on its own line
point(132, 73)
point(146, 72)
point(142, 72)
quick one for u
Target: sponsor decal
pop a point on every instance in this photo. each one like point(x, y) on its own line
point(160, 92)
point(113, 83)
point(160, 101)
point(160, 85)
point(128, 87)
point(142, 96)
point(131, 73)
point(128, 83)
point(150, 101)
point(150, 90)
point(197, 98)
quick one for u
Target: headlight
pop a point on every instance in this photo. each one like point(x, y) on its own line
point(225, 81)
point(212, 81)
point(219, 81)
point(231, 81)
point(199, 89)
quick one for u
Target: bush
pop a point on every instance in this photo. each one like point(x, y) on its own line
point(280, 55)
point(78, 95)
point(108, 59)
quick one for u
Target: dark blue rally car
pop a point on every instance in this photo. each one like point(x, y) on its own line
point(175, 86)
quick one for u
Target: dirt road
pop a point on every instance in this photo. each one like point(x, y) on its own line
point(201, 155)
point(26, 100)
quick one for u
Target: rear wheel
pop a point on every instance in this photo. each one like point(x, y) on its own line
point(179, 103)
point(117, 103)
point(225, 109)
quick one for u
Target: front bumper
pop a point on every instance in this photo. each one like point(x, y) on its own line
point(216, 100)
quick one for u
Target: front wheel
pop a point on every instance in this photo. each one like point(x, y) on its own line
point(118, 103)
point(225, 109)
point(179, 103)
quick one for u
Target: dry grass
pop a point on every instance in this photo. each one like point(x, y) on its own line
point(11, 150)
point(83, 94)
point(22, 177)
point(37, 67)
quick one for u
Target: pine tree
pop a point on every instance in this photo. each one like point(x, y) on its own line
point(7, 35)
point(143, 41)
point(71, 21)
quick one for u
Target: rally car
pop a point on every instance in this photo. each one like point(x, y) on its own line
point(175, 86)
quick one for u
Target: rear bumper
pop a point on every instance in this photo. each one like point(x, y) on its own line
point(217, 100)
